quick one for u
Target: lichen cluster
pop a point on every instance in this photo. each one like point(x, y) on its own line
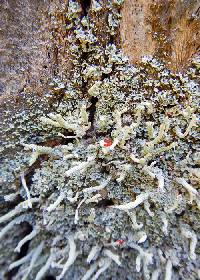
point(118, 188)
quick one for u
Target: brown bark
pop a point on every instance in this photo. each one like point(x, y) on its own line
point(33, 51)
point(170, 30)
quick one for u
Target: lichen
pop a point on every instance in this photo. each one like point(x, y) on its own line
point(125, 139)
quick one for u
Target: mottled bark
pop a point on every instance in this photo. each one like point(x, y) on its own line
point(169, 30)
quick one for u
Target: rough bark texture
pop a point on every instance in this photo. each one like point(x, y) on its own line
point(64, 58)
point(170, 30)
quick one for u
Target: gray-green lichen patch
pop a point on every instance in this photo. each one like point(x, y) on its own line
point(119, 191)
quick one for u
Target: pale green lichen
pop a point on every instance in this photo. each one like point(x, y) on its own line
point(149, 115)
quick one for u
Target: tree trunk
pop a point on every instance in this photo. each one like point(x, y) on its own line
point(119, 82)
point(167, 29)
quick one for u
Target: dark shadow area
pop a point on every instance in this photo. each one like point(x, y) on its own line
point(92, 109)
point(85, 4)
point(49, 277)
point(23, 252)
point(105, 203)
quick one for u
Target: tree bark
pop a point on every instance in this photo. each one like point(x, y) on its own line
point(167, 29)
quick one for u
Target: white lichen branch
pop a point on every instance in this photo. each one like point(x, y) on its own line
point(131, 205)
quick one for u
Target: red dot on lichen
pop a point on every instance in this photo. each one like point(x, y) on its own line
point(107, 142)
point(120, 241)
